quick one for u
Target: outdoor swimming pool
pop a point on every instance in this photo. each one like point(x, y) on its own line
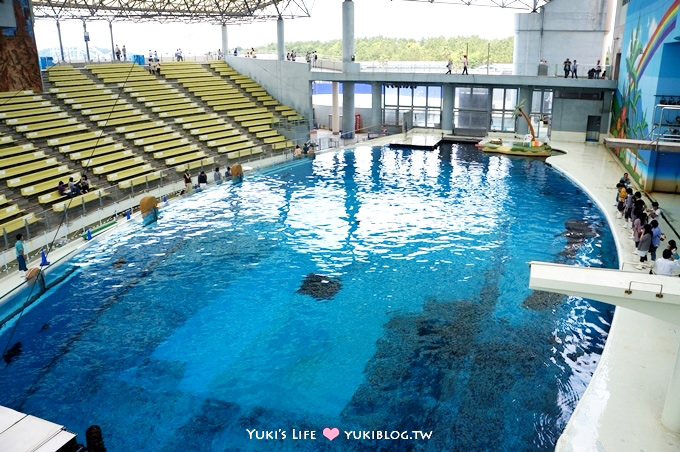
point(193, 334)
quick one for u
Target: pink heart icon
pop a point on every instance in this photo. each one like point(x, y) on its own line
point(331, 433)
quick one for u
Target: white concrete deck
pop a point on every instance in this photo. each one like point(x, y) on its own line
point(621, 408)
point(23, 433)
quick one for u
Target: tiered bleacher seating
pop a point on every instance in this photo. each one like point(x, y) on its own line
point(255, 90)
point(224, 99)
point(26, 167)
point(13, 217)
point(103, 106)
point(153, 136)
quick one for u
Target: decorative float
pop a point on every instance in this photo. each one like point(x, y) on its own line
point(528, 147)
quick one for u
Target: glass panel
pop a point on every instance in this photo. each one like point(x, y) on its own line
point(420, 96)
point(496, 123)
point(511, 100)
point(434, 118)
point(536, 101)
point(461, 92)
point(509, 122)
point(419, 116)
point(391, 116)
point(498, 96)
point(405, 96)
point(471, 119)
point(390, 96)
point(363, 95)
point(434, 96)
point(476, 99)
point(547, 102)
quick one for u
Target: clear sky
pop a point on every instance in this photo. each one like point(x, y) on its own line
point(397, 18)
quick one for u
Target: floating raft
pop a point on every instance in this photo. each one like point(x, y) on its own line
point(526, 149)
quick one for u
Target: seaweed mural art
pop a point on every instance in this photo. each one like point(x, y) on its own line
point(629, 117)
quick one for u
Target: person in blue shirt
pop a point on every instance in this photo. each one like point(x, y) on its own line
point(656, 238)
point(21, 255)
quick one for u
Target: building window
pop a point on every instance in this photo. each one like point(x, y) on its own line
point(424, 101)
point(503, 103)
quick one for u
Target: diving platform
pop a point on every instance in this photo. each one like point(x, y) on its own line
point(21, 432)
point(655, 295)
point(654, 145)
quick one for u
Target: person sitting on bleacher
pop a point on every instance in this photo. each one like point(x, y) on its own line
point(63, 189)
point(84, 184)
point(74, 188)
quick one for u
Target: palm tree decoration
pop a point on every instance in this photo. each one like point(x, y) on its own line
point(520, 112)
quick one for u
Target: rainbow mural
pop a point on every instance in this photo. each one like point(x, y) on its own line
point(666, 25)
point(636, 95)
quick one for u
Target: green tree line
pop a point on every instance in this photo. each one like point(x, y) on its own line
point(396, 49)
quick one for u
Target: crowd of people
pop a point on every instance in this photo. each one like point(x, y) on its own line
point(202, 179)
point(74, 188)
point(646, 233)
point(571, 69)
point(449, 65)
point(121, 53)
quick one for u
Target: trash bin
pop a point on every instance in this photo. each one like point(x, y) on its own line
point(543, 69)
point(138, 59)
point(46, 62)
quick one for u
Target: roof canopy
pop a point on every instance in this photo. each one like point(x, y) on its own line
point(527, 5)
point(206, 11)
point(213, 11)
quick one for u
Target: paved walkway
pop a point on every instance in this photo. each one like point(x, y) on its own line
point(621, 408)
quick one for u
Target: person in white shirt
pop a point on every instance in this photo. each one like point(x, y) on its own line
point(667, 265)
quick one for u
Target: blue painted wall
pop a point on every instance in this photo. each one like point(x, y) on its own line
point(649, 72)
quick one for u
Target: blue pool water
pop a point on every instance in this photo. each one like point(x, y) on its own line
point(192, 334)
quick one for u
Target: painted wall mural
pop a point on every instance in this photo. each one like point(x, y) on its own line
point(19, 65)
point(649, 43)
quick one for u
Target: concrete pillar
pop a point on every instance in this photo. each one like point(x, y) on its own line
point(447, 107)
point(61, 45)
point(376, 107)
point(347, 32)
point(87, 40)
point(670, 416)
point(280, 42)
point(225, 44)
point(335, 113)
point(525, 99)
point(348, 109)
point(113, 49)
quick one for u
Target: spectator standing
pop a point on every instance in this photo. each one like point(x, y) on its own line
point(657, 236)
point(598, 69)
point(202, 179)
point(449, 66)
point(21, 255)
point(645, 243)
point(567, 68)
point(124, 53)
point(188, 186)
point(574, 69)
point(117, 52)
point(465, 65)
